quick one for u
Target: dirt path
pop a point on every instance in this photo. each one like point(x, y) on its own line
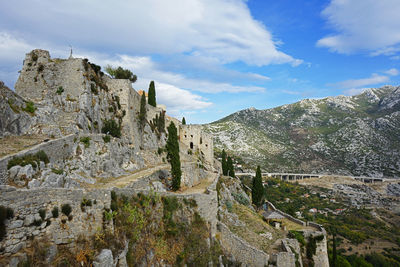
point(199, 188)
point(126, 180)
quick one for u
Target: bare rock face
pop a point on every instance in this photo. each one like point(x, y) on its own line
point(104, 259)
point(350, 135)
point(13, 119)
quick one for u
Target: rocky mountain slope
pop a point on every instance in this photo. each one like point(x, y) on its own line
point(356, 135)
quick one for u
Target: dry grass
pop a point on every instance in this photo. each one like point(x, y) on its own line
point(255, 226)
point(328, 181)
point(13, 144)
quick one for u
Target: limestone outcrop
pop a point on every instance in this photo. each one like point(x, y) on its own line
point(14, 120)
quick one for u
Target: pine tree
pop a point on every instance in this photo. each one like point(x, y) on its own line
point(152, 94)
point(257, 191)
point(183, 121)
point(142, 111)
point(229, 167)
point(173, 156)
point(224, 169)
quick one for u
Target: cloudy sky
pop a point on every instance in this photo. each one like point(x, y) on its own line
point(210, 58)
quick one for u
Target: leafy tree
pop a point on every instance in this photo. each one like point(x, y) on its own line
point(152, 95)
point(172, 147)
point(224, 163)
point(142, 111)
point(183, 121)
point(229, 166)
point(120, 73)
point(257, 190)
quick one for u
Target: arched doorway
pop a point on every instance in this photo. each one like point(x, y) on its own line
point(191, 145)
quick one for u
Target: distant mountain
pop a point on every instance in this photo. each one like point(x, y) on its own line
point(357, 135)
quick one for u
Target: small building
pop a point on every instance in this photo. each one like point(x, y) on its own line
point(197, 140)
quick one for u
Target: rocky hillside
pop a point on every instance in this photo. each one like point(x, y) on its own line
point(356, 135)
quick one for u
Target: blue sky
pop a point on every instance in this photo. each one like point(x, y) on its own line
point(210, 58)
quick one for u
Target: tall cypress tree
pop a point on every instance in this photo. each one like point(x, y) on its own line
point(257, 191)
point(152, 94)
point(173, 156)
point(224, 169)
point(183, 121)
point(229, 167)
point(142, 111)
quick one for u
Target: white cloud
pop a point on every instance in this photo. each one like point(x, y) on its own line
point(147, 69)
point(12, 48)
point(354, 91)
point(221, 29)
point(363, 25)
point(392, 72)
point(373, 79)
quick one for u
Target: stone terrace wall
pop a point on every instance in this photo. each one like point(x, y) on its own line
point(287, 216)
point(207, 203)
point(240, 250)
point(57, 150)
point(27, 203)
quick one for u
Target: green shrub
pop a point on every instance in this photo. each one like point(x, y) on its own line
point(112, 128)
point(42, 213)
point(85, 203)
point(120, 73)
point(298, 235)
point(113, 196)
point(106, 138)
point(94, 89)
point(229, 206)
point(5, 214)
point(37, 222)
point(57, 171)
point(54, 212)
point(86, 141)
point(29, 107)
point(34, 57)
point(33, 159)
point(40, 68)
point(66, 209)
point(60, 90)
point(241, 199)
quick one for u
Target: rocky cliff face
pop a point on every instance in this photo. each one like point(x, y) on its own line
point(15, 120)
point(356, 135)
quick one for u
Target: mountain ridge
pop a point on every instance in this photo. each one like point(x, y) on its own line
point(352, 135)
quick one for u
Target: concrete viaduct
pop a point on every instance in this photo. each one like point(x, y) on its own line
point(301, 176)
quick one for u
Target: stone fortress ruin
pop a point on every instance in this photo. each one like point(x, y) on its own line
point(63, 105)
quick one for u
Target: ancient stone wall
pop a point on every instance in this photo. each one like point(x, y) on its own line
point(27, 222)
point(240, 250)
point(57, 151)
point(41, 76)
point(321, 253)
point(197, 140)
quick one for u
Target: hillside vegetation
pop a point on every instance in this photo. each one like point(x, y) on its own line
point(355, 135)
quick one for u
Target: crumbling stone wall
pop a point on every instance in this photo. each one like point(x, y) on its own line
point(240, 250)
point(57, 150)
point(27, 222)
